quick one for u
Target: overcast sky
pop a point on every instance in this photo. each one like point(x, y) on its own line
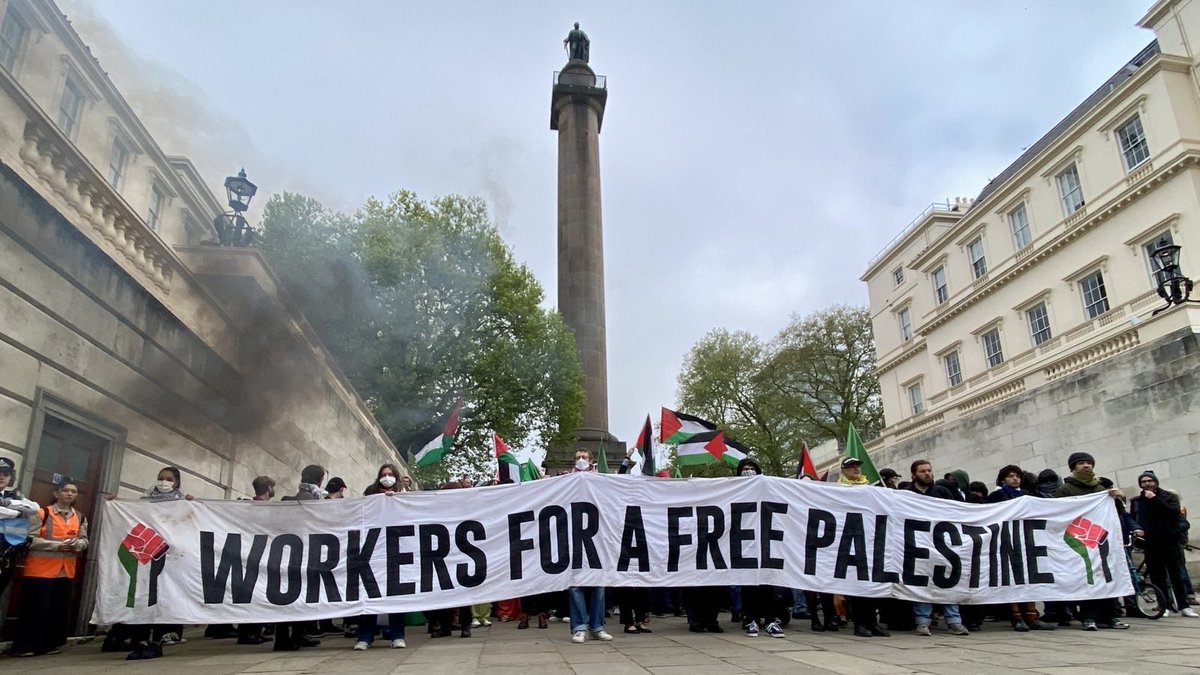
point(754, 155)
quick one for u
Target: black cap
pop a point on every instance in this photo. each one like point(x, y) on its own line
point(888, 474)
point(6, 464)
point(849, 461)
point(1077, 457)
point(334, 485)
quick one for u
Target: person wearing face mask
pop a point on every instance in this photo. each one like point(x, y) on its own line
point(15, 512)
point(385, 481)
point(586, 603)
point(758, 602)
point(58, 535)
point(290, 635)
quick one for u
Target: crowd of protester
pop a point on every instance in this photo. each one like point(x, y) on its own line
point(49, 539)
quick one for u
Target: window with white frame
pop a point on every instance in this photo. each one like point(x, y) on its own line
point(992, 350)
point(1039, 323)
point(117, 159)
point(1150, 247)
point(975, 253)
point(14, 31)
point(157, 201)
point(898, 276)
point(70, 106)
point(1018, 220)
point(915, 398)
point(940, 292)
point(1095, 297)
point(905, 317)
point(1134, 149)
point(953, 369)
point(1070, 190)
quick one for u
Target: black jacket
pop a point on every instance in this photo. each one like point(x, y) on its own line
point(934, 490)
point(1158, 517)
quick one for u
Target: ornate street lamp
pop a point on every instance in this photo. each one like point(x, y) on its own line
point(1173, 287)
point(232, 228)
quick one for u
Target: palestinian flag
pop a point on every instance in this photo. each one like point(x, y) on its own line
point(602, 460)
point(702, 448)
point(856, 449)
point(734, 452)
point(508, 468)
point(437, 441)
point(678, 427)
point(645, 445)
point(805, 466)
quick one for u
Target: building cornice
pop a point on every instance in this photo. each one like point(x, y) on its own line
point(1188, 158)
point(919, 345)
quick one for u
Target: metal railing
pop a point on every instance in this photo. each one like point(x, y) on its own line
point(932, 208)
point(580, 79)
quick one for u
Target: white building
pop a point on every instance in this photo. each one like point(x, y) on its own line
point(1017, 326)
point(125, 343)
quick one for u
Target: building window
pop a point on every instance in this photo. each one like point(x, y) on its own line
point(1069, 189)
point(1152, 246)
point(898, 276)
point(70, 107)
point(915, 399)
point(953, 369)
point(13, 33)
point(1018, 220)
point(940, 292)
point(978, 262)
point(905, 324)
point(157, 200)
point(1095, 298)
point(117, 160)
point(1134, 149)
point(992, 349)
point(1039, 323)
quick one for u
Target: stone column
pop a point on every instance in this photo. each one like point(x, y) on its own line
point(577, 111)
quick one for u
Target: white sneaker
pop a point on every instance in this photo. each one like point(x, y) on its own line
point(579, 636)
point(475, 623)
point(487, 622)
point(171, 639)
point(361, 646)
point(601, 635)
point(399, 643)
point(774, 629)
point(1190, 613)
point(752, 629)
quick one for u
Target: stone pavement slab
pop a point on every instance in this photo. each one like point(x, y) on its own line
point(1170, 645)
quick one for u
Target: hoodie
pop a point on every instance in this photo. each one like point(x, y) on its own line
point(1047, 482)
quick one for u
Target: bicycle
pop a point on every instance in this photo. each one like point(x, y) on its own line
point(1148, 599)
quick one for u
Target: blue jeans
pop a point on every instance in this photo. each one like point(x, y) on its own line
point(924, 613)
point(587, 607)
point(394, 630)
point(799, 602)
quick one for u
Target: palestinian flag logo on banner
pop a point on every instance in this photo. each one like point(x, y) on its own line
point(142, 547)
point(678, 427)
point(435, 443)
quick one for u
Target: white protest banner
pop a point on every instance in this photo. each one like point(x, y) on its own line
point(239, 561)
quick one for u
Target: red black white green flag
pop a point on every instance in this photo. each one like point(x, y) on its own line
point(645, 445)
point(437, 441)
point(702, 448)
point(508, 467)
point(805, 466)
point(678, 427)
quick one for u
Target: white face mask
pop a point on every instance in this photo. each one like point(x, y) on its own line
point(581, 464)
point(165, 485)
point(387, 481)
point(749, 472)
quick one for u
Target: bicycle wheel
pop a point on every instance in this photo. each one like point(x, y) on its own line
point(1151, 602)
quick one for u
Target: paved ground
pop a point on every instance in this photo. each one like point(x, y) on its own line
point(1170, 645)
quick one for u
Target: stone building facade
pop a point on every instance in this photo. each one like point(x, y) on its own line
point(127, 340)
point(1018, 326)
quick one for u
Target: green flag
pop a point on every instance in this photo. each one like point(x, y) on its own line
point(602, 460)
point(529, 471)
point(856, 449)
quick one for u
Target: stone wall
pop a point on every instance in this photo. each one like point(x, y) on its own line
point(1133, 412)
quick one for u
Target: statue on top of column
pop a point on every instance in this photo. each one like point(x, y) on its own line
point(577, 44)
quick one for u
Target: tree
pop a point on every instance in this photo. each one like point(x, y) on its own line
point(422, 302)
point(821, 374)
point(807, 385)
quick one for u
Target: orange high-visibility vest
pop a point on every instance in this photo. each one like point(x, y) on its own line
point(54, 564)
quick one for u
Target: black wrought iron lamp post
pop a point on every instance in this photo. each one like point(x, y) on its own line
point(232, 228)
point(1173, 287)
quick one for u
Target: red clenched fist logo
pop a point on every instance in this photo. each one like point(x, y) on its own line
point(1082, 534)
point(142, 546)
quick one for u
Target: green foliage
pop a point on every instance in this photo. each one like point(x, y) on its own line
point(806, 385)
point(420, 303)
